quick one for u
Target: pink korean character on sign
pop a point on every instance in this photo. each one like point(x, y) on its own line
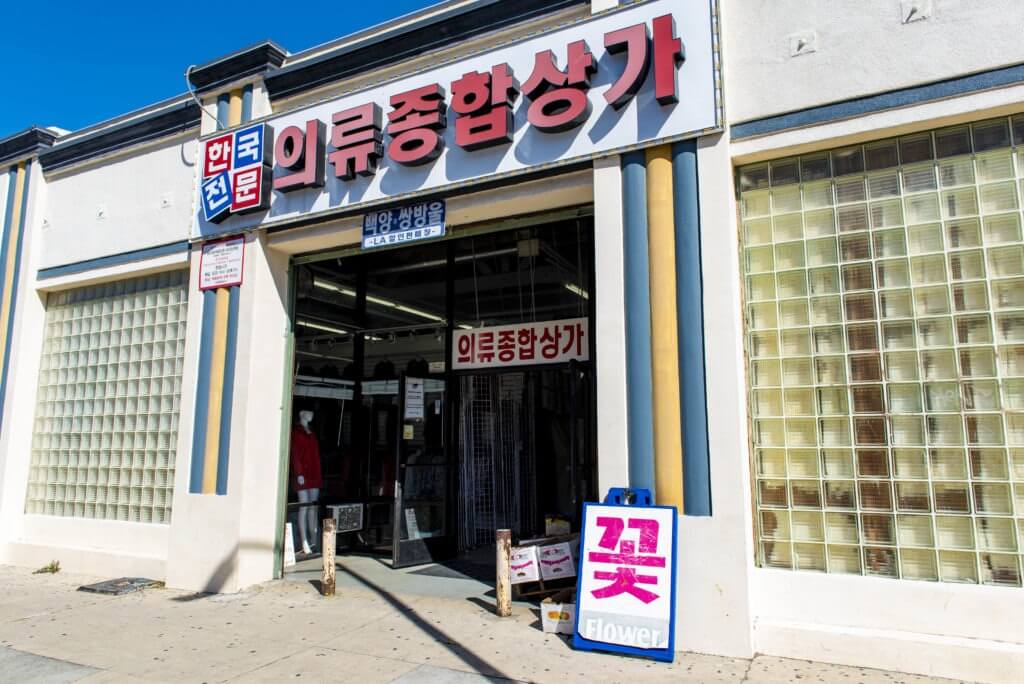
point(559, 98)
point(416, 125)
point(484, 102)
point(635, 41)
point(357, 140)
point(300, 156)
point(627, 560)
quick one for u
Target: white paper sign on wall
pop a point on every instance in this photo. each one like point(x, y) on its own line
point(221, 263)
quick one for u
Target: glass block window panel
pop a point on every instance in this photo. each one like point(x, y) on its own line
point(109, 396)
point(884, 295)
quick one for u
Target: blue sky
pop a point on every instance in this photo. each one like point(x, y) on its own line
point(78, 63)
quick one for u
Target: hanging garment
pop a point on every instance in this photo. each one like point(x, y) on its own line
point(305, 460)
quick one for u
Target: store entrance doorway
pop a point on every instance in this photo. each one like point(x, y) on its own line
point(419, 462)
point(524, 445)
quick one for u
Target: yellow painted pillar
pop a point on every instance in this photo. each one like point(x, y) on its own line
point(668, 438)
point(235, 108)
point(216, 405)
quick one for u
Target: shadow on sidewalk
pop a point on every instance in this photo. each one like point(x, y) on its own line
point(464, 654)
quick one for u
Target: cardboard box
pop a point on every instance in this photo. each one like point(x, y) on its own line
point(558, 613)
point(556, 526)
point(556, 562)
point(524, 566)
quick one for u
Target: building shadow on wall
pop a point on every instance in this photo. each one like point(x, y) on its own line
point(219, 578)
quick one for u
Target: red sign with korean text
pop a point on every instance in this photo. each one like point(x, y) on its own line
point(526, 344)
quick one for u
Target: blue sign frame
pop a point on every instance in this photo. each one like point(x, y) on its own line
point(401, 225)
point(621, 498)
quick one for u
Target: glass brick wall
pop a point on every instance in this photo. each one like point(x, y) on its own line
point(884, 296)
point(108, 401)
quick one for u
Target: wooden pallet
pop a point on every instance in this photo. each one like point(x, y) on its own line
point(543, 588)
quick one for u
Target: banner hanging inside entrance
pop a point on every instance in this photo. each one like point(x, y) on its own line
point(525, 344)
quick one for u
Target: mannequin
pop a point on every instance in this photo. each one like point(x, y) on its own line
point(306, 477)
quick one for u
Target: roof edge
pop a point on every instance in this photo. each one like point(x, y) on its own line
point(250, 60)
point(158, 124)
point(26, 143)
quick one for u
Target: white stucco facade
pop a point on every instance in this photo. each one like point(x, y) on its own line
point(797, 78)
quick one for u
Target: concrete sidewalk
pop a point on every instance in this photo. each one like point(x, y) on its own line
point(49, 632)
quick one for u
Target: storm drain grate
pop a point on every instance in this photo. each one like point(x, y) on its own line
point(120, 586)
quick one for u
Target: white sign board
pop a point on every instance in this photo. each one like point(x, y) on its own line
point(524, 344)
point(221, 263)
point(412, 524)
point(627, 567)
point(405, 224)
point(413, 398)
point(644, 74)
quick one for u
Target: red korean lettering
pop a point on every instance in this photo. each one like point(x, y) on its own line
point(217, 155)
point(357, 140)
point(549, 342)
point(635, 41)
point(573, 337)
point(483, 102)
point(527, 344)
point(415, 125)
point(300, 152)
point(485, 348)
point(669, 53)
point(559, 98)
point(506, 346)
point(465, 348)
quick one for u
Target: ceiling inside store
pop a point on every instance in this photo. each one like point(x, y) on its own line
point(539, 273)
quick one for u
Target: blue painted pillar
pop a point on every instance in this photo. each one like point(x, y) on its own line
point(638, 321)
point(199, 427)
point(247, 104)
point(690, 305)
point(223, 105)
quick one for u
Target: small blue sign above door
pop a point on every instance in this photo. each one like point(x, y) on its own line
point(411, 223)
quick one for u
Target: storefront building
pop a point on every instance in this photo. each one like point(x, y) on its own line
point(763, 259)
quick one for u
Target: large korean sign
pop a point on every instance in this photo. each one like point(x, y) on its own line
point(235, 173)
point(626, 590)
point(526, 344)
point(639, 75)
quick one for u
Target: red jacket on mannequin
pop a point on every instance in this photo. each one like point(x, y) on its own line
point(305, 460)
